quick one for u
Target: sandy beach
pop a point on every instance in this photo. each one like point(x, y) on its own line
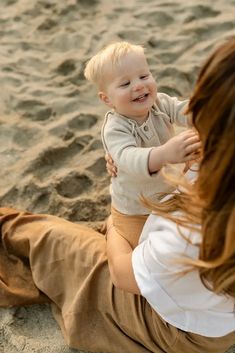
point(50, 117)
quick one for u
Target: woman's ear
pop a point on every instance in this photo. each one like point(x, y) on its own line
point(104, 98)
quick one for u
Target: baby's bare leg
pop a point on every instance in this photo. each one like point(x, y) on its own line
point(128, 226)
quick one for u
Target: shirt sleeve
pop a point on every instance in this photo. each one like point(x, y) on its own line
point(175, 109)
point(120, 143)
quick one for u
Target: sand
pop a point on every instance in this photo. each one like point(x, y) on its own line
point(50, 117)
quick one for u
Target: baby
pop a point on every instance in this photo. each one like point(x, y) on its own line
point(138, 132)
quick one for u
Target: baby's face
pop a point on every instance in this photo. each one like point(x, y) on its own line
point(130, 88)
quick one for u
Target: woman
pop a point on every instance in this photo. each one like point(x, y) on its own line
point(184, 265)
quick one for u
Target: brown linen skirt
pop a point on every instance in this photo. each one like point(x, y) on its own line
point(46, 258)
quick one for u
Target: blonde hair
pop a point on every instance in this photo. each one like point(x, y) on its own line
point(211, 200)
point(110, 55)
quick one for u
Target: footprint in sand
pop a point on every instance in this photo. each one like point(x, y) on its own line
point(34, 109)
point(62, 131)
point(26, 137)
point(54, 158)
point(39, 196)
point(73, 185)
point(99, 167)
point(95, 145)
point(47, 24)
point(92, 210)
point(66, 67)
point(32, 196)
point(83, 121)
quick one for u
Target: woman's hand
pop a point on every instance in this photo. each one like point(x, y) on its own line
point(110, 166)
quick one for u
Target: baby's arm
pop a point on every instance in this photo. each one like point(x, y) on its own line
point(121, 145)
point(180, 148)
point(175, 109)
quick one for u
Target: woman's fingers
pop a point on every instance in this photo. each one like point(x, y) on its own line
point(111, 168)
point(108, 158)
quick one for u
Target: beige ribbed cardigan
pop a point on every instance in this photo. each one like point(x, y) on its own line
point(130, 144)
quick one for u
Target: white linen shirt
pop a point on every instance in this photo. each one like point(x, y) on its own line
point(180, 299)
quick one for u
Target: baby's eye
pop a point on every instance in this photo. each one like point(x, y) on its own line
point(125, 84)
point(144, 76)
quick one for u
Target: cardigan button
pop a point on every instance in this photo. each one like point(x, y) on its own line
point(146, 128)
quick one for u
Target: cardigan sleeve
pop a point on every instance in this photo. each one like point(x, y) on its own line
point(120, 142)
point(175, 109)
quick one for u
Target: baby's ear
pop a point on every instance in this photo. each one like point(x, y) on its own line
point(104, 98)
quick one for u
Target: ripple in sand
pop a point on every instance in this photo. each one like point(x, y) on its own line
point(200, 12)
point(9, 157)
point(47, 24)
point(131, 35)
point(73, 185)
point(89, 3)
point(29, 104)
point(174, 81)
point(170, 90)
point(10, 2)
point(206, 31)
point(155, 18)
point(83, 121)
point(64, 42)
point(10, 79)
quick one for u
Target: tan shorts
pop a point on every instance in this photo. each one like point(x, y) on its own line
point(68, 263)
point(128, 226)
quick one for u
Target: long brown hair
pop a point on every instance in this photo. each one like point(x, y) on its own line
point(211, 200)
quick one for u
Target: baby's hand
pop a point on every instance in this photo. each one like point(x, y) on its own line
point(182, 147)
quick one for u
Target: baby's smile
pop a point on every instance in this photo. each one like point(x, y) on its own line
point(141, 98)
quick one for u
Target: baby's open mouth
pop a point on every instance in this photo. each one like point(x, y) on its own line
point(141, 98)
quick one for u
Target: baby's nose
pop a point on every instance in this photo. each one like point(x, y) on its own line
point(138, 85)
